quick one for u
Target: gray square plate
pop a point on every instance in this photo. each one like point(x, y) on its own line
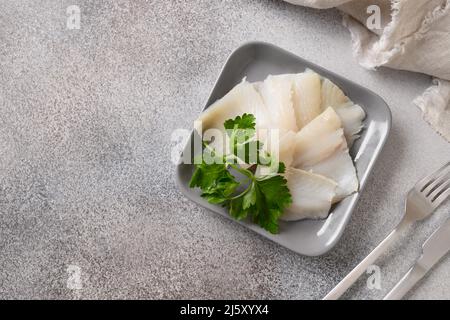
point(256, 60)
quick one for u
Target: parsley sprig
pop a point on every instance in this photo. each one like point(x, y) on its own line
point(261, 197)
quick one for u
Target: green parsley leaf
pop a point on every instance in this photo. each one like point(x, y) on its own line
point(247, 121)
point(216, 182)
point(265, 197)
point(241, 131)
point(237, 210)
point(273, 197)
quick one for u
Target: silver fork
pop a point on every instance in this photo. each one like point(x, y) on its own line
point(421, 201)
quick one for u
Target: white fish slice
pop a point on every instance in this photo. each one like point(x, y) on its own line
point(276, 92)
point(243, 98)
point(283, 148)
point(352, 116)
point(338, 167)
point(306, 97)
point(312, 195)
point(319, 139)
point(332, 95)
point(322, 149)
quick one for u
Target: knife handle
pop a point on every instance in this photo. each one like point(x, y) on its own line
point(406, 283)
point(354, 275)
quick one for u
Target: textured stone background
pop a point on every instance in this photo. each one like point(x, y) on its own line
point(85, 177)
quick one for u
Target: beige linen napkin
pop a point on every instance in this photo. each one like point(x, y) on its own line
point(413, 35)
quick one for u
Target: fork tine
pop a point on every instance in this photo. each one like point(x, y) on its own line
point(442, 178)
point(441, 198)
point(444, 185)
point(422, 184)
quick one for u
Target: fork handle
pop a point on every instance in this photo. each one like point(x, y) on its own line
point(354, 275)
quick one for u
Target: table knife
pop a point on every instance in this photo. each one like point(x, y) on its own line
point(436, 247)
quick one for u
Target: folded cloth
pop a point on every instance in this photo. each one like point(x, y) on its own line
point(413, 35)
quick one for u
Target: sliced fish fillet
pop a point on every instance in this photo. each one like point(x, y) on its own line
point(320, 170)
point(321, 148)
point(338, 167)
point(280, 145)
point(306, 97)
point(319, 139)
point(276, 92)
point(332, 95)
point(312, 195)
point(352, 116)
point(243, 98)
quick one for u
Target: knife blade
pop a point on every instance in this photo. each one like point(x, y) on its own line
point(433, 250)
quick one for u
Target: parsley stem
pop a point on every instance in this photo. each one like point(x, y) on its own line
point(247, 173)
point(243, 192)
point(243, 171)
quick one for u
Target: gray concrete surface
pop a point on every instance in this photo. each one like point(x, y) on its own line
point(86, 185)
